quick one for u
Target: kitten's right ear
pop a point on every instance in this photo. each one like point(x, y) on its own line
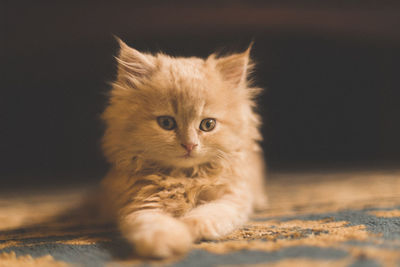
point(132, 63)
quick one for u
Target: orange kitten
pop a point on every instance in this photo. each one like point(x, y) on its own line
point(182, 138)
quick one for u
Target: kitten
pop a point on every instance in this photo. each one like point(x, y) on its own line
point(182, 138)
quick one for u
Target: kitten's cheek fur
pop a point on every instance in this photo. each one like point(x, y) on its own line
point(156, 235)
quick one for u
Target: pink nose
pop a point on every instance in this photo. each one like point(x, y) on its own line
point(189, 147)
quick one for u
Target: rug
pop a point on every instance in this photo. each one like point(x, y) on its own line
point(320, 218)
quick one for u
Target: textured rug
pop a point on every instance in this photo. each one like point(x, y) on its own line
point(341, 218)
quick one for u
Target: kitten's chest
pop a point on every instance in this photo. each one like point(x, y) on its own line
point(179, 195)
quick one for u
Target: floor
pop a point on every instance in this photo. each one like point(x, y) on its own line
point(315, 218)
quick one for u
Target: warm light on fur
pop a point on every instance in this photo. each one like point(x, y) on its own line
point(163, 199)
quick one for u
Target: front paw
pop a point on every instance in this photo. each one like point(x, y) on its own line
point(204, 228)
point(163, 238)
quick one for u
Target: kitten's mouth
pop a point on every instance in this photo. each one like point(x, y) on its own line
point(187, 155)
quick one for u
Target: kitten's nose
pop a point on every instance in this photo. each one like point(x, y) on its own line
point(189, 147)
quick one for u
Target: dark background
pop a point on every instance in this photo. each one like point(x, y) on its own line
point(331, 69)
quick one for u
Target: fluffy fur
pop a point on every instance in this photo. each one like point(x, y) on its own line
point(161, 198)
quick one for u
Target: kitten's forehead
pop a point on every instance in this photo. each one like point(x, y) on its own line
point(189, 104)
point(185, 89)
point(183, 69)
point(185, 84)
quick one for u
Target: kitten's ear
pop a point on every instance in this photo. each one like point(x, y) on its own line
point(234, 68)
point(133, 63)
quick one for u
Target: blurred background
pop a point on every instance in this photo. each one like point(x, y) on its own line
point(330, 69)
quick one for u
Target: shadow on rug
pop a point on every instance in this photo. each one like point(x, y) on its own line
point(336, 219)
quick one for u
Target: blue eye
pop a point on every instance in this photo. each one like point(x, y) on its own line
point(166, 122)
point(207, 125)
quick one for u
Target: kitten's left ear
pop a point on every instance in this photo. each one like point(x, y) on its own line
point(234, 68)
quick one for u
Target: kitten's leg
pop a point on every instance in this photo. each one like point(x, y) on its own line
point(256, 173)
point(220, 217)
point(260, 198)
point(155, 234)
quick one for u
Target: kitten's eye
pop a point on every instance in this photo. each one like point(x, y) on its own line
point(207, 124)
point(166, 122)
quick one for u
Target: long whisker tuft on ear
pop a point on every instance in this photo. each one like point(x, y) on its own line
point(134, 64)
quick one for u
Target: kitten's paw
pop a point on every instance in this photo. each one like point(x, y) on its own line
point(162, 238)
point(162, 243)
point(203, 228)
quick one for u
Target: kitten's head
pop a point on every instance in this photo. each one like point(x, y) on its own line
point(179, 112)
